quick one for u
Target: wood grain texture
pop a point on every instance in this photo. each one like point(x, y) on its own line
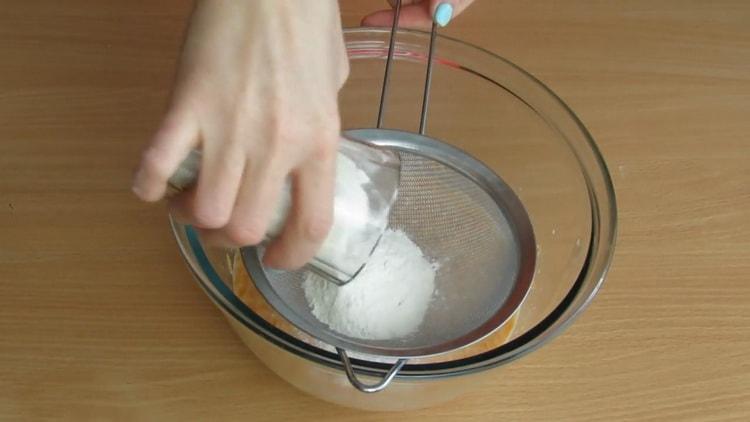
point(99, 319)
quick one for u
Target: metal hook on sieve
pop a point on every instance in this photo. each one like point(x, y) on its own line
point(371, 388)
point(387, 72)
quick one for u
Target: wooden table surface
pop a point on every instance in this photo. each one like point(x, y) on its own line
point(99, 318)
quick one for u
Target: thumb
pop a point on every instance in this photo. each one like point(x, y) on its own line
point(443, 11)
point(419, 14)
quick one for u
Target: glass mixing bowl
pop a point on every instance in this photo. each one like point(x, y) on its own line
point(505, 117)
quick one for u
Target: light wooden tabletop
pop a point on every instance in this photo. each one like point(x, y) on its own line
point(99, 318)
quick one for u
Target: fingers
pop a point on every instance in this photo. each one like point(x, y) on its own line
point(239, 189)
point(311, 215)
point(222, 167)
point(177, 135)
point(419, 14)
point(257, 202)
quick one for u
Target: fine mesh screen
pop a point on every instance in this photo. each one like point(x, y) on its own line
point(457, 224)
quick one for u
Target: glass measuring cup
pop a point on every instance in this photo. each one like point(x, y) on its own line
point(360, 212)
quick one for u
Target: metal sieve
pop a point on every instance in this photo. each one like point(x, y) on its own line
point(459, 213)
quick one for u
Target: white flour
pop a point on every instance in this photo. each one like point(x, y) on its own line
point(388, 299)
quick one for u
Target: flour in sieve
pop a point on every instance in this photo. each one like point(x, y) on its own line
point(388, 299)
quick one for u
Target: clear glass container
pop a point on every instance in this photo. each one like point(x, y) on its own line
point(360, 213)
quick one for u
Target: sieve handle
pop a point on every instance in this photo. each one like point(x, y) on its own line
point(371, 388)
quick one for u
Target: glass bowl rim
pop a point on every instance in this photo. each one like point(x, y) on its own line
point(552, 325)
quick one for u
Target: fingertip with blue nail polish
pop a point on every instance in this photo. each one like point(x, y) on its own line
point(443, 14)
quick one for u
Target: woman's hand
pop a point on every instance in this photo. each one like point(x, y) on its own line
point(419, 14)
point(257, 92)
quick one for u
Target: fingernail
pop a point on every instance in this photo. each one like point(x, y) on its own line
point(443, 14)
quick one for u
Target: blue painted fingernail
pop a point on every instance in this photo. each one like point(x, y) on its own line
point(443, 14)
